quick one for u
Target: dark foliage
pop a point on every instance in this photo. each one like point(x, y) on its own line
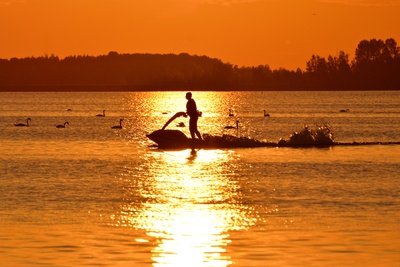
point(376, 66)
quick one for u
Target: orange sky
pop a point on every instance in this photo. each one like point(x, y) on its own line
point(278, 33)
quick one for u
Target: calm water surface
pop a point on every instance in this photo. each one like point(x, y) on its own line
point(89, 195)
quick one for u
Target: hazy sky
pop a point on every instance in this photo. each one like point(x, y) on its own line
point(278, 33)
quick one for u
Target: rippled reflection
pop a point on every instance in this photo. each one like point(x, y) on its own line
point(188, 202)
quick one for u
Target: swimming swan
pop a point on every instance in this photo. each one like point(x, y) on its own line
point(118, 126)
point(233, 127)
point(23, 124)
point(266, 114)
point(62, 125)
point(230, 113)
point(101, 115)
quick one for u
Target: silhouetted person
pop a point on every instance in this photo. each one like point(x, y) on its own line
point(191, 111)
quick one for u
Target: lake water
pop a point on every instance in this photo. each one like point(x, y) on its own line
point(89, 195)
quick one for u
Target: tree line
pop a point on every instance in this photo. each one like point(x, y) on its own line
point(376, 66)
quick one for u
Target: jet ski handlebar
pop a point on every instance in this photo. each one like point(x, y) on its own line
point(177, 115)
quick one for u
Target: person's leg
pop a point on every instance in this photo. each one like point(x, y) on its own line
point(195, 130)
point(192, 133)
point(199, 135)
point(192, 128)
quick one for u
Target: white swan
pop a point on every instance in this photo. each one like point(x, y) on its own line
point(23, 124)
point(62, 125)
point(233, 127)
point(266, 114)
point(101, 115)
point(118, 126)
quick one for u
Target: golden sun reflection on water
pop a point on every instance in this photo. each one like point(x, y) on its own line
point(189, 205)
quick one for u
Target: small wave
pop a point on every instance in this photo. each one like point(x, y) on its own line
point(320, 137)
point(230, 141)
point(365, 143)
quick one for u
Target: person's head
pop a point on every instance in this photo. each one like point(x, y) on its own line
point(188, 95)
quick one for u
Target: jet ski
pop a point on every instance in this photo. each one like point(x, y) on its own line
point(171, 138)
point(175, 139)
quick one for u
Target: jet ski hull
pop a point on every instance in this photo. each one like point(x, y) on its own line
point(173, 139)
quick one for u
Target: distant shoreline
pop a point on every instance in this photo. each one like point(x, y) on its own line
point(376, 66)
point(127, 88)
